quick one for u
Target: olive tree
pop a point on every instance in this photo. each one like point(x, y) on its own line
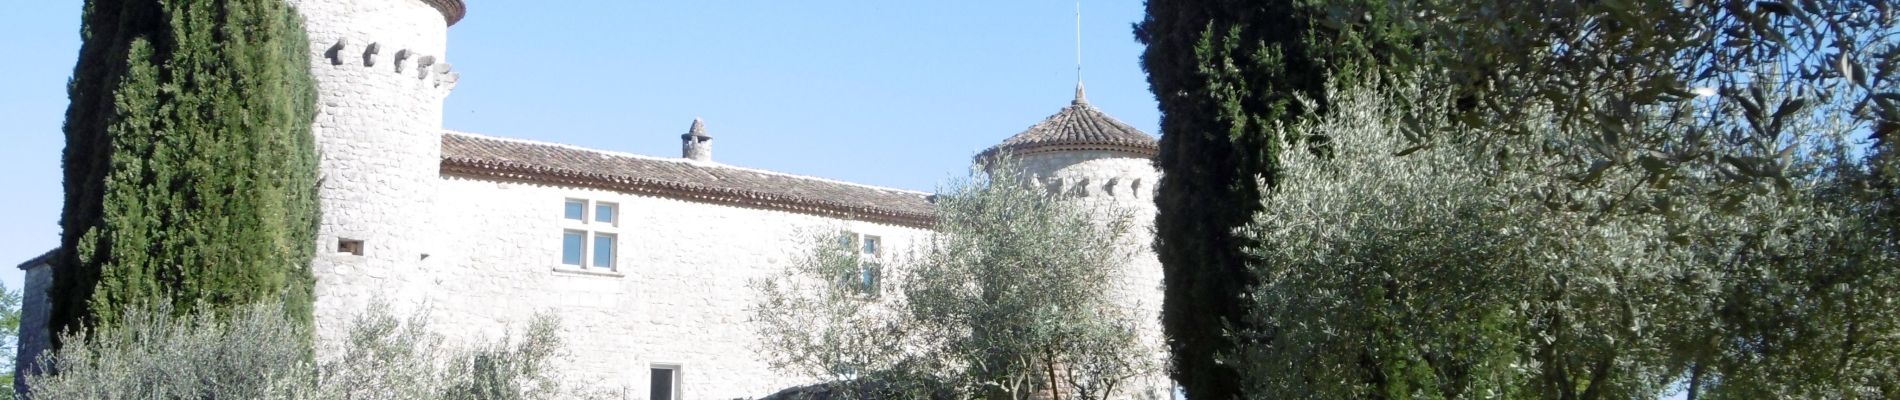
point(261, 352)
point(1008, 298)
point(1467, 270)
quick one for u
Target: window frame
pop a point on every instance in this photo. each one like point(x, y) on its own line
point(613, 209)
point(580, 256)
point(613, 250)
point(868, 250)
point(582, 218)
point(591, 230)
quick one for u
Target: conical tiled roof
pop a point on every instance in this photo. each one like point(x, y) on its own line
point(1078, 127)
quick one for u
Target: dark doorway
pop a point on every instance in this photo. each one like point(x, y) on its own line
point(665, 383)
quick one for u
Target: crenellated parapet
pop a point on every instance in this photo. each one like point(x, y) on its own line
point(426, 68)
point(1098, 187)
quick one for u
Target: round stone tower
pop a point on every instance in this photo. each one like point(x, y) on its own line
point(382, 74)
point(1084, 154)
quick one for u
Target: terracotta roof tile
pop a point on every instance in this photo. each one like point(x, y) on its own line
point(1079, 126)
point(508, 159)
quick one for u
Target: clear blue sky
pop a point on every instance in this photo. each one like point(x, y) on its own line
point(894, 94)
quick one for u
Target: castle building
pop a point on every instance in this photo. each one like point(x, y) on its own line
point(645, 259)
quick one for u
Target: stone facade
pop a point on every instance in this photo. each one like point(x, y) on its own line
point(1118, 185)
point(677, 296)
point(378, 133)
point(470, 228)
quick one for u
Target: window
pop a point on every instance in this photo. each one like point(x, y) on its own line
point(604, 250)
point(604, 213)
point(349, 246)
point(868, 250)
point(588, 237)
point(572, 242)
point(576, 209)
point(665, 383)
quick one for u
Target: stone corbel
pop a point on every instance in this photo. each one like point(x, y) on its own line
point(335, 54)
point(423, 66)
point(369, 54)
point(402, 57)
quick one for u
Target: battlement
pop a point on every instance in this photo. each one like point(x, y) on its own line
point(1094, 187)
point(423, 67)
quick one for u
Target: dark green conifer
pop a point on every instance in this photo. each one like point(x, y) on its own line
point(190, 168)
point(1225, 72)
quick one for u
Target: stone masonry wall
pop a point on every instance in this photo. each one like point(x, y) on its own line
point(678, 297)
point(381, 79)
point(1117, 185)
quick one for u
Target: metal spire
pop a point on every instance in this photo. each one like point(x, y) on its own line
point(1080, 98)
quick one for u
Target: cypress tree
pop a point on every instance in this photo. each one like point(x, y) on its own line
point(1226, 73)
point(190, 168)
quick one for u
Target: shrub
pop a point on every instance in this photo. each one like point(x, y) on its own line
point(256, 352)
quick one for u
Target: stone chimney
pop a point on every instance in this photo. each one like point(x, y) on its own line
point(695, 144)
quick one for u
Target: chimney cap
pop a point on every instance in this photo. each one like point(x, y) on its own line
point(697, 130)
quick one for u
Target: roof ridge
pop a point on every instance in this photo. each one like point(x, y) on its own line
point(679, 160)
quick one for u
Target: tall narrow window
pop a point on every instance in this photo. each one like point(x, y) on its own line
point(868, 250)
point(869, 266)
point(603, 250)
point(572, 243)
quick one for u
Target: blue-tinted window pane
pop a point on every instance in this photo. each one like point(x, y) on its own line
point(576, 210)
point(604, 212)
point(603, 250)
point(847, 240)
point(870, 245)
point(868, 277)
point(571, 242)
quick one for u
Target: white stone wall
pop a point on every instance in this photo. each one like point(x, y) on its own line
point(679, 296)
point(378, 133)
point(1117, 185)
point(484, 256)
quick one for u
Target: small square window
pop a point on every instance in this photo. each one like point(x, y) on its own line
point(871, 245)
point(576, 210)
point(604, 250)
point(605, 212)
point(847, 240)
point(349, 246)
point(571, 247)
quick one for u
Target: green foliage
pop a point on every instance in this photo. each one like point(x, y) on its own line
point(1010, 296)
point(1654, 85)
point(1478, 268)
point(1227, 74)
point(190, 168)
point(257, 352)
point(9, 333)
